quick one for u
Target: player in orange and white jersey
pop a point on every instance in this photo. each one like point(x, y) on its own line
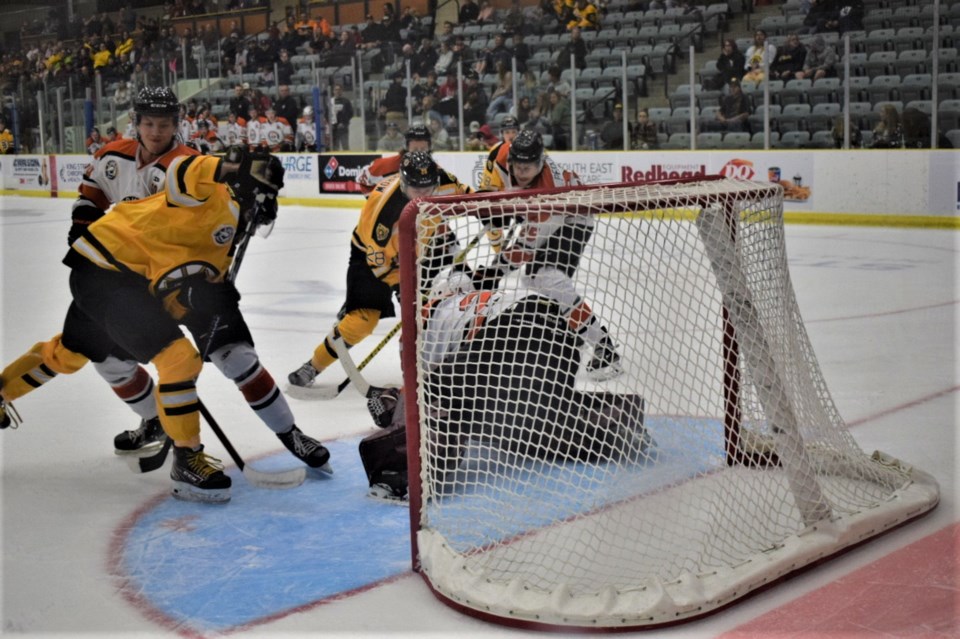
point(232, 131)
point(549, 246)
point(255, 133)
point(305, 138)
point(417, 138)
point(276, 133)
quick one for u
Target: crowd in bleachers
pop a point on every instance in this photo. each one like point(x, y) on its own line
point(569, 56)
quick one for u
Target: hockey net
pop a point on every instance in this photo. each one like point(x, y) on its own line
point(748, 472)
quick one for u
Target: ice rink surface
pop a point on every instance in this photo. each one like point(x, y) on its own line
point(88, 547)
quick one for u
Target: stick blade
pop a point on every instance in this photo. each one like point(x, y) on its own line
point(276, 480)
point(152, 462)
point(322, 392)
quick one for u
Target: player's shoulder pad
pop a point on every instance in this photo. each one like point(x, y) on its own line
point(125, 148)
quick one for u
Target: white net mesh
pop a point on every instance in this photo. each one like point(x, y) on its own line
point(555, 490)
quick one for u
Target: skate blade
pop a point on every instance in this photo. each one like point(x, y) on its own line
point(606, 373)
point(317, 392)
point(323, 471)
point(143, 451)
point(187, 492)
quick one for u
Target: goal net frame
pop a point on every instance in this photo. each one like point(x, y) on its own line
point(713, 210)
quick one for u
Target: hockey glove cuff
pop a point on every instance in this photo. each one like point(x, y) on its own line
point(208, 298)
point(83, 216)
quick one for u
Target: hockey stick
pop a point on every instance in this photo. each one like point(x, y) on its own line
point(282, 479)
point(353, 371)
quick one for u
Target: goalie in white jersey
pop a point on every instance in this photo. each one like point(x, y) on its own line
point(500, 368)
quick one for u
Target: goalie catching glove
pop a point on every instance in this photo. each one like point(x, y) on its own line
point(256, 181)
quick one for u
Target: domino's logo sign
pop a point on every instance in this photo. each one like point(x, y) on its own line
point(331, 168)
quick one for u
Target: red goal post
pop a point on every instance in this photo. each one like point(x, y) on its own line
point(750, 473)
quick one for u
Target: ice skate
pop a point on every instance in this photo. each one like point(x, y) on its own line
point(198, 477)
point(606, 361)
point(145, 440)
point(303, 376)
point(306, 449)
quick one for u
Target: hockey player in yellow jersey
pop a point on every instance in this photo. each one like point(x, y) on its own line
point(374, 271)
point(127, 169)
point(156, 263)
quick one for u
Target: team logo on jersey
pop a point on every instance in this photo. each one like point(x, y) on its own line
point(111, 170)
point(382, 232)
point(174, 278)
point(223, 235)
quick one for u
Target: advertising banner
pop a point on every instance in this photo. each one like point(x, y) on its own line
point(338, 171)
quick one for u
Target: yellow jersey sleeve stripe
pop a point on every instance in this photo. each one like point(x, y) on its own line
point(82, 246)
point(191, 180)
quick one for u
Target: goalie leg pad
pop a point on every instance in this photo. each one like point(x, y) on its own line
point(384, 457)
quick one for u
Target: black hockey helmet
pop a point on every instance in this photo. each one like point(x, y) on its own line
point(527, 147)
point(418, 131)
point(156, 101)
point(509, 122)
point(419, 170)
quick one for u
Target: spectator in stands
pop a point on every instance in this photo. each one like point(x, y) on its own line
point(734, 112)
point(444, 63)
point(122, 97)
point(789, 60)
point(425, 58)
point(758, 55)
point(395, 98)
point(393, 140)
point(343, 50)
point(481, 138)
point(645, 132)
point(265, 75)
point(730, 64)
point(501, 101)
point(577, 47)
point(611, 134)
point(340, 114)
point(285, 68)
point(497, 53)
point(487, 14)
point(475, 98)
point(521, 51)
point(373, 34)
point(888, 134)
point(463, 54)
point(585, 16)
point(555, 82)
point(845, 15)
point(820, 61)
point(440, 138)
point(427, 86)
point(558, 117)
point(240, 102)
point(6, 138)
point(856, 139)
point(287, 106)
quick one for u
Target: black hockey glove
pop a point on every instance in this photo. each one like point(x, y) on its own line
point(486, 278)
point(83, 215)
point(258, 173)
point(208, 298)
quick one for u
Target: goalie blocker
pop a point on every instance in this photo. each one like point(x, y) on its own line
point(518, 351)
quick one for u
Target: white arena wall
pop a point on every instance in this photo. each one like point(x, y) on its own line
point(878, 187)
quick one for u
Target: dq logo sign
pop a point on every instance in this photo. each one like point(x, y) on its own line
point(738, 169)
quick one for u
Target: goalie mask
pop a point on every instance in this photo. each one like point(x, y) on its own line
point(419, 172)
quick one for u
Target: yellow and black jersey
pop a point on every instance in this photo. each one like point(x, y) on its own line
point(375, 238)
point(187, 229)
